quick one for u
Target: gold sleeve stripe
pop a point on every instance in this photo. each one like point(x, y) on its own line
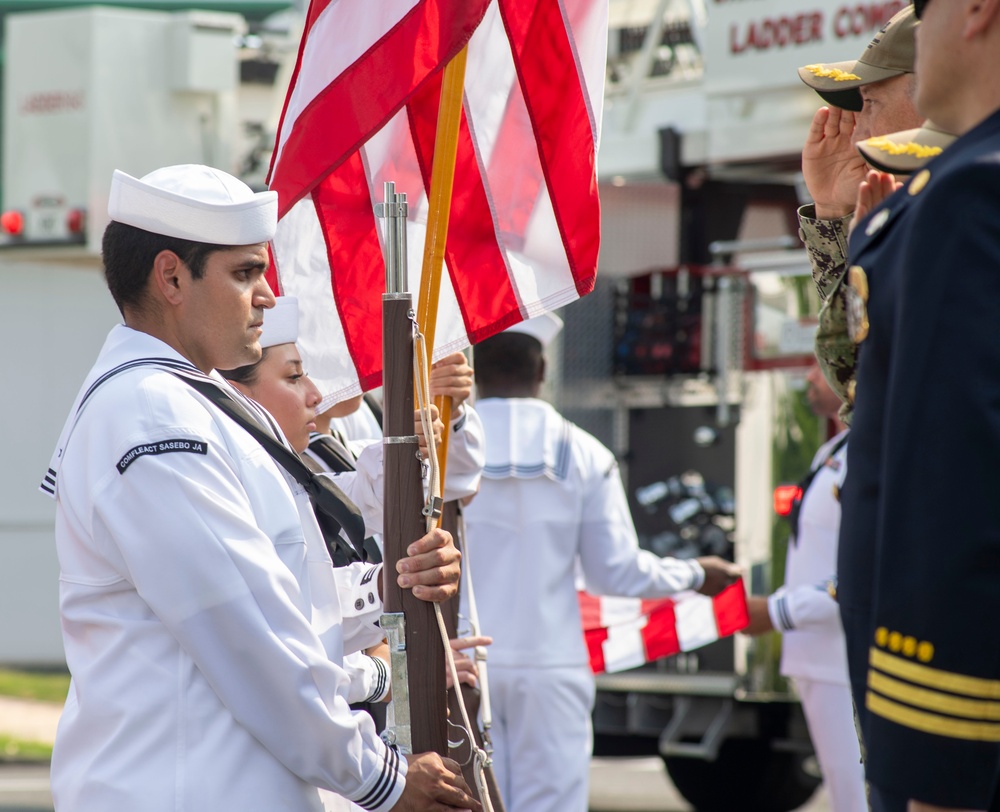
point(933, 700)
point(934, 677)
point(931, 722)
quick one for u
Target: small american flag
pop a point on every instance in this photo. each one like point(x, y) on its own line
point(623, 633)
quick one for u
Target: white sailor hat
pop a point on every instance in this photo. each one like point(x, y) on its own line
point(194, 202)
point(542, 328)
point(281, 322)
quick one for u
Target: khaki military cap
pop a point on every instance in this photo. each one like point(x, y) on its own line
point(905, 152)
point(889, 54)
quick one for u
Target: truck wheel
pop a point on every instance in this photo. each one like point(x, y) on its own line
point(748, 775)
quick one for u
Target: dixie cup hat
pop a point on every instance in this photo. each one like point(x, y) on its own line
point(194, 202)
point(542, 328)
point(281, 322)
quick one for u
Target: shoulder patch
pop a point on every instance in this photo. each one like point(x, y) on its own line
point(161, 447)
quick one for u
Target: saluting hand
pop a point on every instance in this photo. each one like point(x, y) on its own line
point(431, 568)
point(875, 188)
point(434, 784)
point(831, 167)
point(719, 574)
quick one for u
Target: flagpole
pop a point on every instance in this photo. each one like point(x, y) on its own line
point(439, 201)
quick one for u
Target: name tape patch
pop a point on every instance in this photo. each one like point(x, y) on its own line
point(162, 447)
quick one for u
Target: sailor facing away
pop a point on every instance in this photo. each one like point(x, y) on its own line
point(551, 496)
point(205, 655)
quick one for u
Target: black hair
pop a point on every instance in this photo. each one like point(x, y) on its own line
point(508, 359)
point(246, 375)
point(128, 253)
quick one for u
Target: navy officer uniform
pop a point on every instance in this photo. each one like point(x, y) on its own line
point(919, 562)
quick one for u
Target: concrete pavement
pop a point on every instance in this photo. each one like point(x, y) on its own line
point(29, 720)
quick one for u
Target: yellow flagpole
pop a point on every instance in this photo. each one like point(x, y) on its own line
point(439, 200)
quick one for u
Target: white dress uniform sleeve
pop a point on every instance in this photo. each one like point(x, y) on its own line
point(808, 606)
point(369, 677)
point(612, 561)
point(364, 486)
point(179, 527)
point(357, 587)
point(466, 455)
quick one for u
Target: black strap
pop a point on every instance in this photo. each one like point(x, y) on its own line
point(806, 482)
point(375, 406)
point(334, 453)
point(326, 497)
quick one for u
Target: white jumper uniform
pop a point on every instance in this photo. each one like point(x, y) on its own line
point(551, 498)
point(813, 651)
point(201, 620)
point(466, 449)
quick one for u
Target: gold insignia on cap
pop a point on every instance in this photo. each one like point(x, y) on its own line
point(908, 148)
point(877, 221)
point(822, 72)
point(852, 389)
point(856, 302)
point(919, 182)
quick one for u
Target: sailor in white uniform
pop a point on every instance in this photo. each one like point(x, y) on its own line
point(551, 501)
point(813, 651)
point(200, 619)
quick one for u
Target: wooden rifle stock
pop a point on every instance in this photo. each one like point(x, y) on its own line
point(404, 524)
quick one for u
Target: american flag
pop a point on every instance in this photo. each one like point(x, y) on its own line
point(362, 109)
point(623, 633)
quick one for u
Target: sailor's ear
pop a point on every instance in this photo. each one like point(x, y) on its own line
point(166, 277)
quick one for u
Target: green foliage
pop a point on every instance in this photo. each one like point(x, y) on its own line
point(12, 749)
point(44, 686)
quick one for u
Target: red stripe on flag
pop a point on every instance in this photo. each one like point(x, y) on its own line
point(316, 7)
point(271, 274)
point(730, 608)
point(515, 178)
point(590, 611)
point(357, 270)
point(595, 648)
point(342, 116)
point(554, 95)
point(660, 632)
point(476, 264)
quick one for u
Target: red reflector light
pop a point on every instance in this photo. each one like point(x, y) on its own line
point(784, 498)
point(75, 221)
point(12, 222)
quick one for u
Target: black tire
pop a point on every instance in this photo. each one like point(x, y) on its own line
point(748, 776)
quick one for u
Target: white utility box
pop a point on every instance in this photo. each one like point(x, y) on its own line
point(87, 91)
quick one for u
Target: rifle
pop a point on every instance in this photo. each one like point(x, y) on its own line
point(417, 717)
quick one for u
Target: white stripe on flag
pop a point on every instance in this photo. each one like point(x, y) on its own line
point(321, 64)
point(615, 611)
point(695, 621)
point(624, 647)
point(321, 333)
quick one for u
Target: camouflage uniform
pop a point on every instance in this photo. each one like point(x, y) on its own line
point(826, 245)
